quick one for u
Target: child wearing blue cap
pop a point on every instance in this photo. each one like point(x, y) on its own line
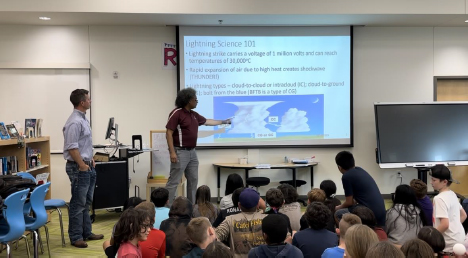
point(243, 230)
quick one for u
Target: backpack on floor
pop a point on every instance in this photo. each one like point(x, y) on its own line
point(10, 184)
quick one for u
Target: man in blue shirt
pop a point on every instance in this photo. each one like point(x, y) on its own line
point(78, 151)
point(360, 189)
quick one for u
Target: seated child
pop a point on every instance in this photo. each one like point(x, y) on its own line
point(275, 199)
point(384, 250)
point(346, 222)
point(230, 210)
point(233, 182)
point(433, 237)
point(318, 195)
point(177, 242)
point(216, 250)
point(317, 216)
point(155, 245)
point(416, 248)
point(359, 238)
point(367, 217)
point(108, 245)
point(420, 189)
point(405, 218)
point(291, 207)
point(329, 187)
point(203, 206)
point(236, 228)
point(275, 230)
point(201, 233)
point(133, 226)
point(160, 198)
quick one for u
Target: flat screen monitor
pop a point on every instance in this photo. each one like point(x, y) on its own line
point(421, 134)
point(110, 127)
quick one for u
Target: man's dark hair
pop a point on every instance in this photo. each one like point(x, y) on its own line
point(274, 198)
point(275, 227)
point(345, 160)
point(233, 182)
point(235, 196)
point(317, 215)
point(132, 202)
point(433, 237)
point(366, 215)
point(77, 96)
point(129, 225)
point(159, 197)
point(289, 193)
point(217, 249)
point(184, 97)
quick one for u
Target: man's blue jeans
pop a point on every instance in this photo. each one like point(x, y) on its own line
point(82, 190)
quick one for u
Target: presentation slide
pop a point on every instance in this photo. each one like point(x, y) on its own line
point(285, 87)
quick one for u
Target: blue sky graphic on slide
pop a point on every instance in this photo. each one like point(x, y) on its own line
point(286, 115)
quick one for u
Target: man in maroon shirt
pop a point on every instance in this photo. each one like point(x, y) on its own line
point(181, 135)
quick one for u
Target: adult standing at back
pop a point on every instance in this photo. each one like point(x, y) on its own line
point(78, 151)
point(360, 189)
point(181, 134)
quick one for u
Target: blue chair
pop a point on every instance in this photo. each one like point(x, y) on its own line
point(14, 218)
point(51, 204)
point(40, 215)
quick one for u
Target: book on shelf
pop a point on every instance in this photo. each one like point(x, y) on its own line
point(18, 127)
point(33, 158)
point(30, 127)
point(12, 131)
point(4, 135)
point(38, 129)
point(8, 165)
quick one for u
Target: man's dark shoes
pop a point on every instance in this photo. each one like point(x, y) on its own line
point(80, 244)
point(95, 237)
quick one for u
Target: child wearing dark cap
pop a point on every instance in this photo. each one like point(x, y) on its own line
point(274, 228)
point(243, 231)
point(448, 213)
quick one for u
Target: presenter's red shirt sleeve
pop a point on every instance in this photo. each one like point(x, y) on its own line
point(201, 119)
point(173, 120)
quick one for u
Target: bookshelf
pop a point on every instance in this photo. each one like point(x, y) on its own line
point(11, 148)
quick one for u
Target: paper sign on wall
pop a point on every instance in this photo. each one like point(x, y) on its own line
point(169, 52)
point(160, 160)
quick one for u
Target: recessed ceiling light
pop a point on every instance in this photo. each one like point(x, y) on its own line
point(44, 18)
point(466, 21)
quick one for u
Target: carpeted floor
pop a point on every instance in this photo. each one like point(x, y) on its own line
point(103, 224)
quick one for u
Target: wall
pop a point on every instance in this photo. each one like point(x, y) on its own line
point(390, 64)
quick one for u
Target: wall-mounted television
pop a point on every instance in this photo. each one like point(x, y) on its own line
point(421, 134)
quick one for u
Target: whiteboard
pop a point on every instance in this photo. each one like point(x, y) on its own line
point(160, 160)
point(41, 93)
